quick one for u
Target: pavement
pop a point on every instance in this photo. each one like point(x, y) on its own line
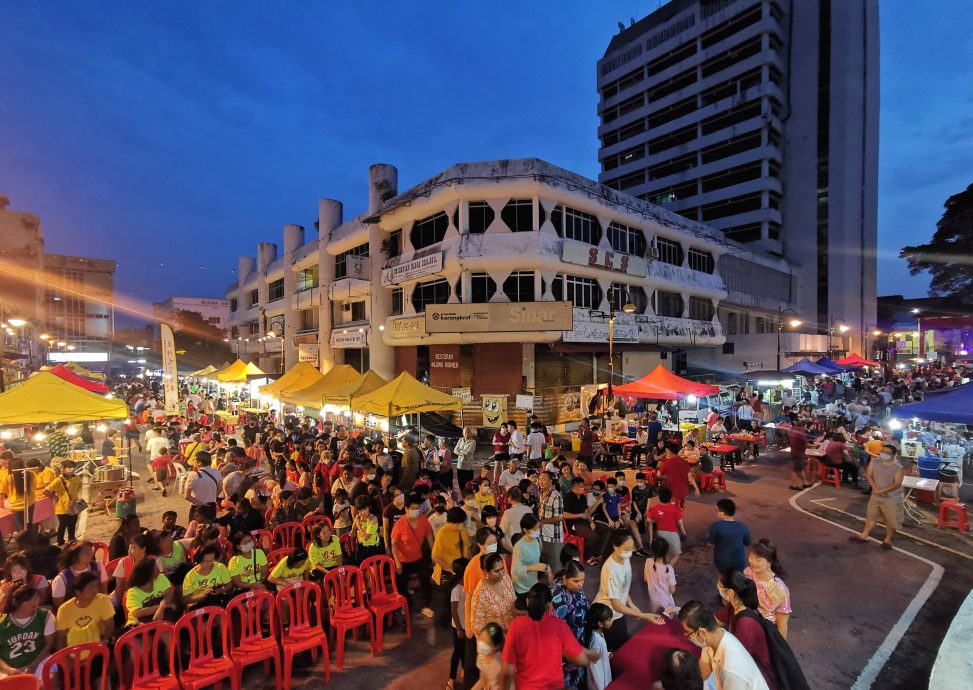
point(863, 616)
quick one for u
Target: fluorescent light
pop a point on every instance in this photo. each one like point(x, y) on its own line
point(71, 430)
point(895, 425)
point(39, 436)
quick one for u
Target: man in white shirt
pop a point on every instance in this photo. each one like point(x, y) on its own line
point(511, 476)
point(510, 522)
point(155, 441)
point(203, 486)
point(515, 444)
point(535, 445)
point(723, 654)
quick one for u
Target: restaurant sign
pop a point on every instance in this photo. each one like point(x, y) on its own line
point(498, 317)
point(410, 270)
point(582, 254)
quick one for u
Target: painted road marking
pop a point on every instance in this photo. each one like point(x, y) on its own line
point(821, 502)
point(881, 656)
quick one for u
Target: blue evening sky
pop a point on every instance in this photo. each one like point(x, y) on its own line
point(173, 137)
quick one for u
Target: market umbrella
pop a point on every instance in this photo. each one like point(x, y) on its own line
point(364, 384)
point(405, 395)
point(205, 371)
point(313, 395)
point(857, 361)
point(806, 366)
point(662, 384)
point(45, 399)
point(832, 365)
point(238, 372)
point(299, 376)
point(87, 373)
point(953, 405)
point(62, 372)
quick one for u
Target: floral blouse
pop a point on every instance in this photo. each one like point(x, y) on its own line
point(572, 609)
point(772, 595)
point(488, 606)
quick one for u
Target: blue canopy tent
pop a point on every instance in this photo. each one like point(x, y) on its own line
point(833, 366)
point(953, 406)
point(806, 366)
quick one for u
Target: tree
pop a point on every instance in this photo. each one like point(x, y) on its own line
point(949, 255)
point(197, 341)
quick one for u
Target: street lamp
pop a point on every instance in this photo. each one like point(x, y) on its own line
point(837, 323)
point(16, 320)
point(616, 294)
point(876, 331)
point(793, 322)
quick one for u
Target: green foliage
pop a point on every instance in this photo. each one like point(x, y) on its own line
point(202, 341)
point(948, 256)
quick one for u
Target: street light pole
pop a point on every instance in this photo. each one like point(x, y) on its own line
point(628, 308)
point(843, 328)
point(795, 322)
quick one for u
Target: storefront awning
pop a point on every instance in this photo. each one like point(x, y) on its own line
point(599, 348)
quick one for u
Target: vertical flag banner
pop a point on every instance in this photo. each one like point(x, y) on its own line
point(170, 381)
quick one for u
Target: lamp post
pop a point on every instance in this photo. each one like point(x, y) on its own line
point(793, 323)
point(616, 295)
point(842, 328)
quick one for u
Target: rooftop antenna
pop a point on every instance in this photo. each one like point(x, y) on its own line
point(631, 21)
point(621, 26)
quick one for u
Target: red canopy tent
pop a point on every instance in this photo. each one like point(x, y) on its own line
point(856, 360)
point(662, 384)
point(62, 372)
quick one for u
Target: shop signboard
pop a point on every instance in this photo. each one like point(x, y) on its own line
point(582, 254)
point(499, 317)
point(465, 394)
point(350, 338)
point(309, 354)
point(410, 327)
point(410, 270)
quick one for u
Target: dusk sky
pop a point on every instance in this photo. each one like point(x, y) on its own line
point(173, 137)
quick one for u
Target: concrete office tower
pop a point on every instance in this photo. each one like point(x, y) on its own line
point(758, 118)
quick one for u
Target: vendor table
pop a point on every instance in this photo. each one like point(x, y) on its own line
point(43, 510)
point(615, 447)
point(729, 454)
point(637, 664)
point(911, 484)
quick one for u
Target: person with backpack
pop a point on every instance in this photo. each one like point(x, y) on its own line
point(205, 484)
point(759, 636)
point(723, 655)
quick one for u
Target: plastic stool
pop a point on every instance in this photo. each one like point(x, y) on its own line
point(812, 466)
point(706, 482)
point(953, 514)
point(719, 479)
point(830, 475)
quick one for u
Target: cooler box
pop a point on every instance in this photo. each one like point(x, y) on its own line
point(576, 445)
point(929, 466)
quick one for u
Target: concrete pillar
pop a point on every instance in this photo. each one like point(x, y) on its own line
point(330, 216)
point(528, 370)
point(466, 281)
point(383, 184)
point(383, 181)
point(266, 255)
point(244, 268)
point(293, 240)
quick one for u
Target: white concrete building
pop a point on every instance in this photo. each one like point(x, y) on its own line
point(493, 275)
point(212, 311)
point(758, 118)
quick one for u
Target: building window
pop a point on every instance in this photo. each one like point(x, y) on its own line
point(480, 217)
point(482, 287)
point(309, 320)
point(233, 304)
point(700, 309)
point(429, 231)
point(584, 293)
point(307, 279)
point(581, 226)
point(341, 261)
point(519, 286)
point(394, 244)
point(731, 323)
point(626, 240)
point(275, 290)
point(745, 323)
point(254, 328)
point(518, 215)
point(254, 297)
point(430, 292)
point(668, 304)
point(701, 261)
point(358, 311)
point(398, 301)
point(670, 252)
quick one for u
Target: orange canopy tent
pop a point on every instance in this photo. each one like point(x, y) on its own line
point(662, 384)
point(856, 360)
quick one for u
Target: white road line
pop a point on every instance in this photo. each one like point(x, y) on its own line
point(881, 656)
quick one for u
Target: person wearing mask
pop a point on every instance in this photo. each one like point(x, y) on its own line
point(248, 566)
point(740, 593)
point(510, 520)
point(392, 513)
point(65, 490)
point(493, 599)
point(486, 543)
point(526, 562)
point(551, 518)
point(411, 463)
point(537, 644)
point(463, 453)
point(614, 590)
point(451, 542)
point(723, 654)
point(579, 518)
point(885, 502)
point(569, 603)
point(408, 537)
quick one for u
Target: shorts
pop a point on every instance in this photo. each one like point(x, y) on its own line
point(890, 514)
point(675, 543)
point(161, 475)
point(797, 463)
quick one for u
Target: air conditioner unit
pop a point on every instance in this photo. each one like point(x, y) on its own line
point(346, 306)
point(653, 252)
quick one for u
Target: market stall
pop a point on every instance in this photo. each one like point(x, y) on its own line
point(404, 395)
point(299, 376)
point(312, 396)
point(62, 372)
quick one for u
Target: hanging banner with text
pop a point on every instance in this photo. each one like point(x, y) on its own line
point(496, 317)
point(494, 410)
point(170, 381)
point(410, 270)
point(309, 354)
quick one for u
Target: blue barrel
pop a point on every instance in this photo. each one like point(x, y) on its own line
point(929, 466)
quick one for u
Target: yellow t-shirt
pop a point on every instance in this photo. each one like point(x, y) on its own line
point(282, 571)
point(42, 480)
point(196, 581)
point(14, 501)
point(247, 568)
point(874, 447)
point(483, 500)
point(65, 490)
point(324, 556)
point(137, 598)
point(85, 624)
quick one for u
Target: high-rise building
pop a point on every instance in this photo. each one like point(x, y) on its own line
point(758, 118)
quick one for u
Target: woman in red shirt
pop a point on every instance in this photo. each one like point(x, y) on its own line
point(678, 474)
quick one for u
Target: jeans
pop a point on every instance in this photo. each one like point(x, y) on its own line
point(551, 553)
point(422, 570)
point(594, 539)
point(66, 523)
point(459, 655)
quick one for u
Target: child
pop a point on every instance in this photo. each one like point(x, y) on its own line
point(598, 620)
point(324, 552)
point(169, 523)
point(366, 530)
point(484, 497)
point(489, 646)
point(342, 512)
point(472, 513)
point(161, 468)
point(660, 578)
point(666, 518)
point(423, 480)
point(457, 600)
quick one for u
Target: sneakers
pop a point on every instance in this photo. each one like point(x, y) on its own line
point(427, 612)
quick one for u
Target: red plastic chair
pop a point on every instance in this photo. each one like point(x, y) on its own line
point(20, 681)
point(71, 668)
point(305, 632)
point(311, 520)
point(142, 647)
point(101, 551)
point(383, 597)
point(953, 514)
point(204, 667)
point(349, 545)
point(344, 588)
point(830, 475)
point(289, 534)
point(276, 556)
point(269, 513)
point(249, 644)
point(575, 539)
point(110, 567)
point(263, 538)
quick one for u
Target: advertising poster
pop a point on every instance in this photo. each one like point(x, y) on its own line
point(494, 410)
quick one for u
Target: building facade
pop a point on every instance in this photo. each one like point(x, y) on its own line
point(498, 276)
point(212, 311)
point(79, 307)
point(760, 119)
point(21, 263)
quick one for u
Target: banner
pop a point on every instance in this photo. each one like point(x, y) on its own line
point(464, 394)
point(495, 317)
point(494, 410)
point(309, 354)
point(170, 380)
point(410, 270)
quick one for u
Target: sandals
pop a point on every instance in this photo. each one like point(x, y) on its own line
point(858, 540)
point(796, 488)
point(886, 546)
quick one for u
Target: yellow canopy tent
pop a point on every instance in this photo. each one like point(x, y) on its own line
point(299, 376)
point(364, 384)
point(44, 398)
point(404, 395)
point(87, 373)
point(313, 395)
point(205, 371)
point(238, 372)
